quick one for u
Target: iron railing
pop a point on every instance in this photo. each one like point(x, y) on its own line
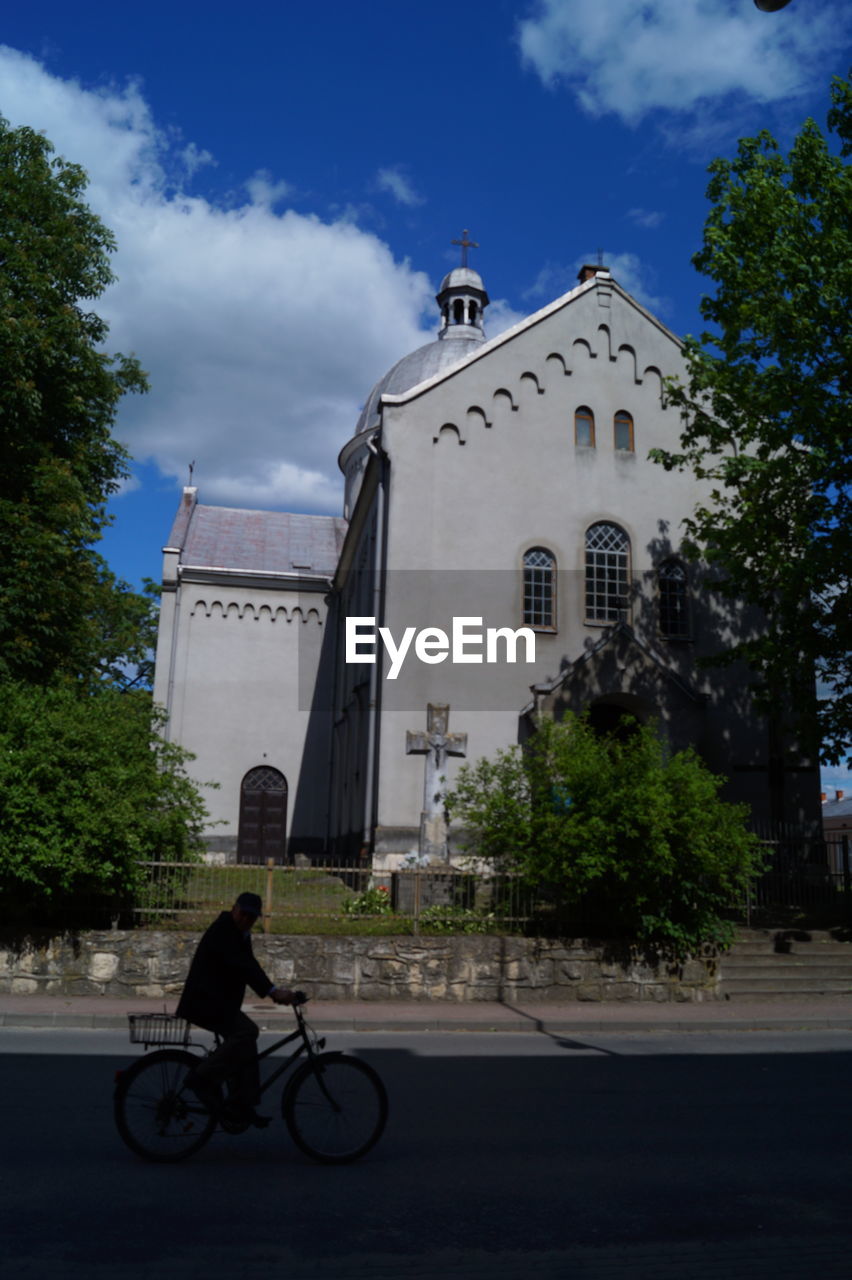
point(340, 899)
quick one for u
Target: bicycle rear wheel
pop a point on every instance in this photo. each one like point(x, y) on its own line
point(156, 1114)
point(335, 1108)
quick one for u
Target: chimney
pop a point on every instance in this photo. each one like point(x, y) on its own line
point(588, 271)
point(822, 797)
point(840, 795)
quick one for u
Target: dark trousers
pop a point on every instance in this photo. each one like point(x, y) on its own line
point(235, 1060)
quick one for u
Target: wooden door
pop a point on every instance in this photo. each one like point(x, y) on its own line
point(263, 816)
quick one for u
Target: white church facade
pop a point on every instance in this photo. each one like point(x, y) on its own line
point(506, 549)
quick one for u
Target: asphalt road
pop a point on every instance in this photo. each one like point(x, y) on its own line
point(605, 1155)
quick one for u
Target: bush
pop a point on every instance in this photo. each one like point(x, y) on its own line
point(616, 830)
point(88, 787)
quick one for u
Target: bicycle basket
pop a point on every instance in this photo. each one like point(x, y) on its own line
point(157, 1028)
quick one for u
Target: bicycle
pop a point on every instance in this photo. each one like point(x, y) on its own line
point(334, 1105)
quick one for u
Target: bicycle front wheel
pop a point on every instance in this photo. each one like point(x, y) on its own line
point(156, 1114)
point(335, 1108)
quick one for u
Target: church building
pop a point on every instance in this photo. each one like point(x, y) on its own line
point(506, 549)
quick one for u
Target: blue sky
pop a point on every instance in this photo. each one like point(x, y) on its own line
point(285, 180)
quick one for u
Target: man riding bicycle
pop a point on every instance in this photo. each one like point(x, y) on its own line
point(223, 965)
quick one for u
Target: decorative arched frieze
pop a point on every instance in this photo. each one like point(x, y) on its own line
point(306, 616)
point(558, 360)
point(478, 416)
point(448, 431)
point(528, 377)
point(656, 378)
point(580, 346)
point(606, 344)
point(501, 395)
point(630, 353)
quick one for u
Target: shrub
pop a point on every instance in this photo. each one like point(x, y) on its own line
point(617, 830)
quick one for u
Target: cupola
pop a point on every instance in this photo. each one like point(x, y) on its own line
point(462, 298)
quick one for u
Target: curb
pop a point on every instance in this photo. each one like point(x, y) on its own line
point(525, 1025)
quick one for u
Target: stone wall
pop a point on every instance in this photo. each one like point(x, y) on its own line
point(148, 964)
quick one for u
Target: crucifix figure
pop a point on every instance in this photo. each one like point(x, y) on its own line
point(435, 744)
point(465, 244)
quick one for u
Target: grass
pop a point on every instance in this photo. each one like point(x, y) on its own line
point(304, 901)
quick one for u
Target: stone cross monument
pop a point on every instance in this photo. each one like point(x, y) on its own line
point(435, 744)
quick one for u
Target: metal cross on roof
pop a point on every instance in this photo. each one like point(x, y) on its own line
point(465, 244)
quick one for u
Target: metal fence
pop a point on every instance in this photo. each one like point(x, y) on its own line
point(336, 899)
point(806, 878)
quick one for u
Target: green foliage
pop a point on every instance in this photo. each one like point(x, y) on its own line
point(87, 788)
point(766, 413)
point(61, 610)
point(372, 902)
point(441, 920)
point(615, 831)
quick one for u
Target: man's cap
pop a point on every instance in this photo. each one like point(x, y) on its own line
point(250, 903)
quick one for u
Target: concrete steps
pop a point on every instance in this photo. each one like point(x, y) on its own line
point(777, 964)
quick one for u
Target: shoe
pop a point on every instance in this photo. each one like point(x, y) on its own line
point(240, 1114)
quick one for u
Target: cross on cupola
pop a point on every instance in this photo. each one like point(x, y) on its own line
point(465, 244)
point(462, 297)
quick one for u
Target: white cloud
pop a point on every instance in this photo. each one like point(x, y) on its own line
point(264, 190)
point(261, 330)
point(629, 58)
point(631, 273)
point(500, 316)
point(646, 218)
point(399, 186)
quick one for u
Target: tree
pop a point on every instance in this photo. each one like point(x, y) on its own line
point(614, 830)
point(767, 415)
point(58, 401)
point(88, 789)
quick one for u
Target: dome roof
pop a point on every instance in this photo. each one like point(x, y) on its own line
point(418, 366)
point(462, 278)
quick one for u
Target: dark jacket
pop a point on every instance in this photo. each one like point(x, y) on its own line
point(222, 967)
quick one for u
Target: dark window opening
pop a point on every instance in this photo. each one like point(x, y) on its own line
point(674, 613)
point(540, 589)
point(607, 573)
point(623, 432)
point(584, 428)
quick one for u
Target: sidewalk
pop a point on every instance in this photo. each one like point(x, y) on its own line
point(816, 1013)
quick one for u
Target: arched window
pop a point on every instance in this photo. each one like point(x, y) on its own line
point(263, 816)
point(607, 572)
point(674, 614)
point(540, 589)
point(623, 432)
point(458, 311)
point(584, 428)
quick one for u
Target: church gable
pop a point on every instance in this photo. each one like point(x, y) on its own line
point(596, 334)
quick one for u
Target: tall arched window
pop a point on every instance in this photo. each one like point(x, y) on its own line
point(674, 613)
point(540, 589)
point(584, 427)
point(607, 572)
point(623, 432)
point(263, 816)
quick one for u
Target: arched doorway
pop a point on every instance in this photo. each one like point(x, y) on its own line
point(617, 715)
point(263, 816)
